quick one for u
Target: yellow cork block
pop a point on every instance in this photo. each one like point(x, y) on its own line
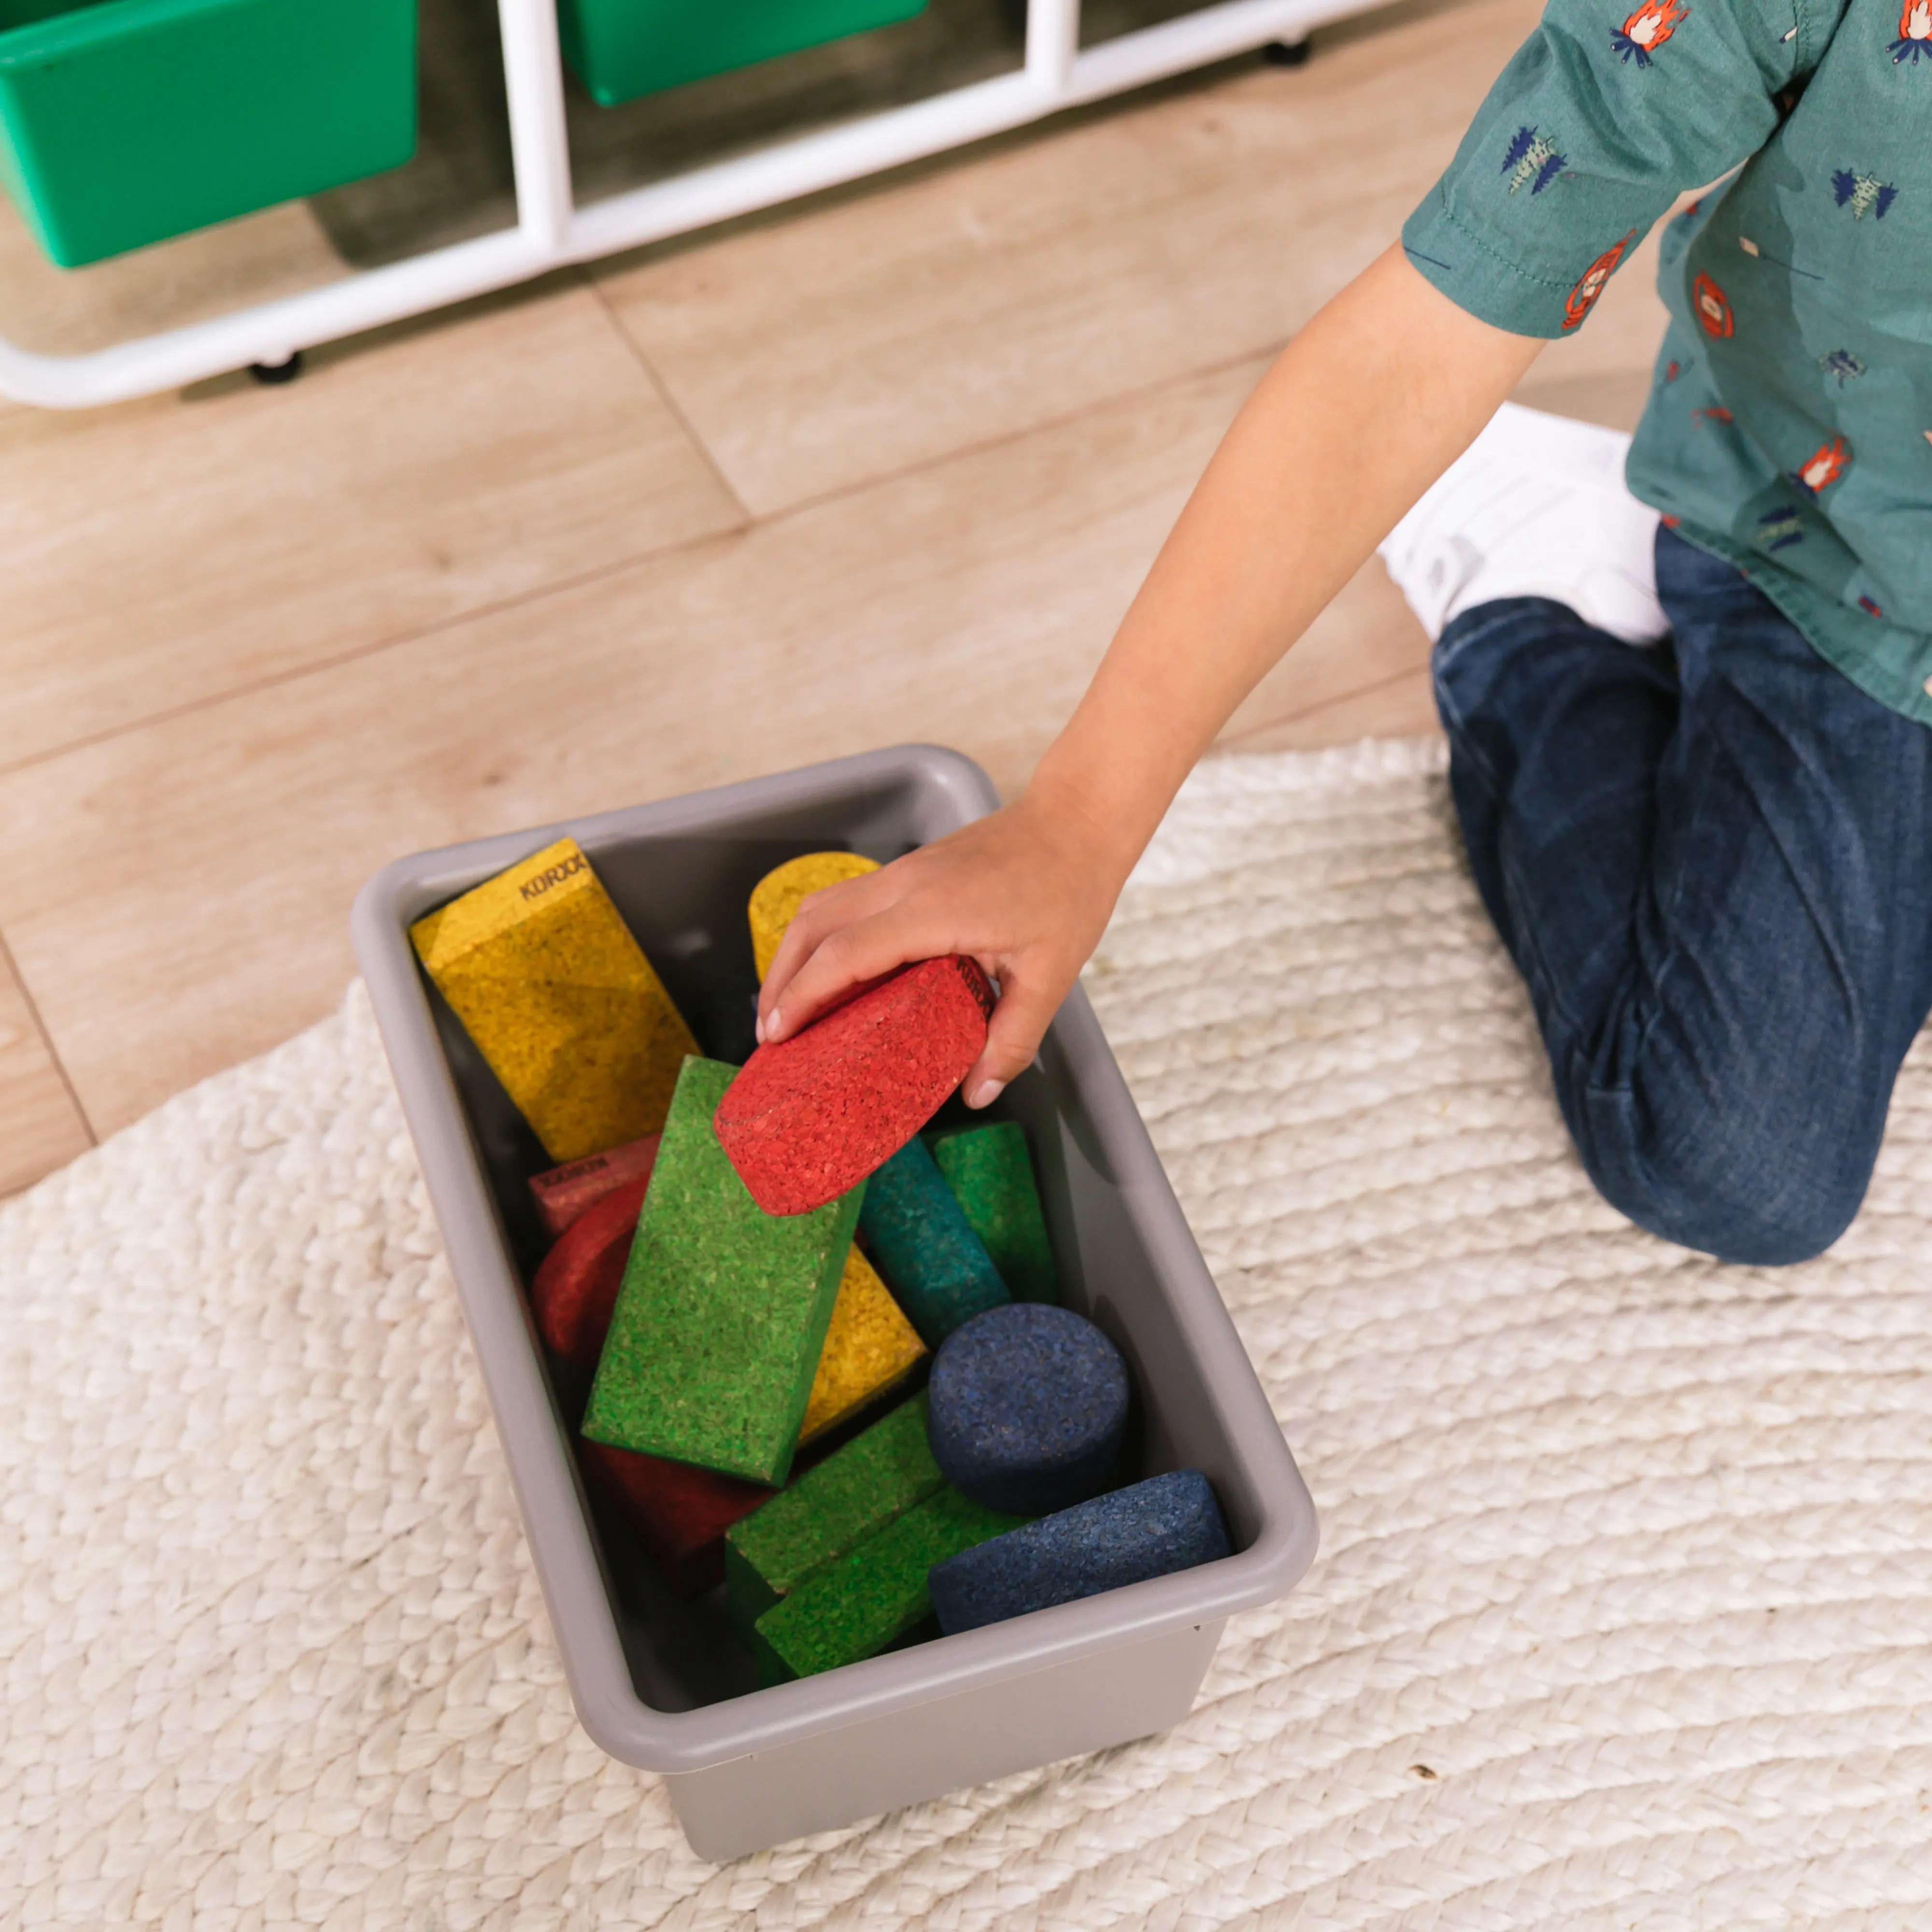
point(870, 1348)
point(776, 898)
point(540, 967)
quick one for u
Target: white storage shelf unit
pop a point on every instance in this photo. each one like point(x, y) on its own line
point(552, 230)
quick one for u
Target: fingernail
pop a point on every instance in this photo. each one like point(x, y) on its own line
point(986, 1093)
point(773, 1022)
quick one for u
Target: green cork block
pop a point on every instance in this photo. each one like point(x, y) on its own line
point(723, 1310)
point(990, 1172)
point(831, 1509)
point(856, 1606)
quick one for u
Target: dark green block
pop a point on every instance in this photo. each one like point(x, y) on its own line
point(990, 1172)
point(724, 1308)
point(832, 1508)
point(854, 1607)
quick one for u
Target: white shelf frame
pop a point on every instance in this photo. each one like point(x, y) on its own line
point(551, 230)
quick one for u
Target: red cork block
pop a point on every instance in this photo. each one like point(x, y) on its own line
point(811, 1116)
point(679, 1512)
point(576, 1282)
point(565, 1191)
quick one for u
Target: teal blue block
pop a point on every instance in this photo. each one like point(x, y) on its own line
point(937, 1267)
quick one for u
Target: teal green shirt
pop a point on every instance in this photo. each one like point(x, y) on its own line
point(1789, 424)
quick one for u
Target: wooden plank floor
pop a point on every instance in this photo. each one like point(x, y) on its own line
point(886, 465)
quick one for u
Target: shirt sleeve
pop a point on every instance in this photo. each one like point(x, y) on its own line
point(1599, 122)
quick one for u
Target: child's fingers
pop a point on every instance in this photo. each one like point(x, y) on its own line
point(1020, 1021)
point(822, 913)
point(867, 949)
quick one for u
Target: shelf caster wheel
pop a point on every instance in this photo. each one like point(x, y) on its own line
point(274, 373)
point(1287, 53)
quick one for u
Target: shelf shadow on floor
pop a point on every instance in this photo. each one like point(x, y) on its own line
point(461, 184)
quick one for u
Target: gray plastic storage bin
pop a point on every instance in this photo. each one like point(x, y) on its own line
point(659, 1684)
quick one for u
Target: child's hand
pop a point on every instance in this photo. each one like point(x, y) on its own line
point(1394, 380)
point(1026, 892)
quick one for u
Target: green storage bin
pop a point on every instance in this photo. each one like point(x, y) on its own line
point(620, 49)
point(126, 122)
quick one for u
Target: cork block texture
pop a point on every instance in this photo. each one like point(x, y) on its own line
point(811, 1116)
point(719, 1323)
point(1028, 1409)
point(546, 979)
point(1149, 1529)
point(777, 897)
point(870, 1349)
point(873, 1595)
point(577, 1283)
point(852, 1494)
point(870, 1346)
point(934, 1263)
point(563, 1193)
point(990, 1172)
point(678, 1513)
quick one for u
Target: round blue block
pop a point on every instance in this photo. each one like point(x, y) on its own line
point(1026, 1408)
point(1148, 1529)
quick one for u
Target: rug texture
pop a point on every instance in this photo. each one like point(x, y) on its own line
point(1623, 1616)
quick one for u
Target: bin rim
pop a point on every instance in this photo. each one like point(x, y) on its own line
point(541, 1466)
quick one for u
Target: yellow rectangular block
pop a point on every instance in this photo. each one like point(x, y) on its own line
point(869, 1348)
point(547, 980)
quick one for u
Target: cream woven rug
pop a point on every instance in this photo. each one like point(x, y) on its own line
point(1623, 1616)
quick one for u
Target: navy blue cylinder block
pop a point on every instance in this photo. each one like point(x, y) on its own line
point(1148, 1529)
point(1027, 1408)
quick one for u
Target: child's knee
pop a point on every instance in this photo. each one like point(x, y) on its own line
point(1776, 1229)
point(1768, 1192)
point(1466, 662)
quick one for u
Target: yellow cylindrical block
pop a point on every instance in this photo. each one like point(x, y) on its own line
point(777, 897)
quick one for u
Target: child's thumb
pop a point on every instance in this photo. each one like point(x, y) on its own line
point(1019, 1024)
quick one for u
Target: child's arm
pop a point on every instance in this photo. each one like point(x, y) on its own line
point(1359, 414)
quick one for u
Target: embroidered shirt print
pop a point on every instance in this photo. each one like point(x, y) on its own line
point(1591, 283)
point(1648, 29)
point(1531, 161)
point(1794, 287)
point(1914, 32)
point(1713, 307)
point(1825, 466)
point(1863, 194)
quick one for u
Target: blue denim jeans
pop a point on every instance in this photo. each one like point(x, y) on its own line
point(1711, 861)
